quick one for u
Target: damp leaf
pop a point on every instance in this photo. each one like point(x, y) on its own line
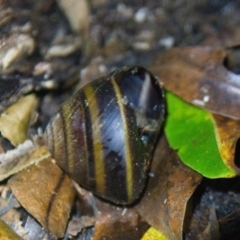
point(170, 186)
point(205, 76)
point(112, 222)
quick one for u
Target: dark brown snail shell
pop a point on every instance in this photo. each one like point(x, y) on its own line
point(103, 136)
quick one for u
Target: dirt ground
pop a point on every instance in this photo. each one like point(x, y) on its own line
point(113, 34)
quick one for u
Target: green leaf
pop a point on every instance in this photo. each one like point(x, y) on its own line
point(190, 131)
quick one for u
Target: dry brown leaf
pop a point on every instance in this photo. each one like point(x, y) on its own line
point(76, 225)
point(227, 132)
point(172, 183)
point(46, 193)
point(85, 202)
point(86, 206)
point(6, 233)
point(111, 222)
point(15, 120)
point(118, 223)
point(23, 156)
point(198, 75)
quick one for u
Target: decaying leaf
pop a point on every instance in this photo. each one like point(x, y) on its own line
point(86, 201)
point(76, 225)
point(46, 193)
point(24, 155)
point(6, 233)
point(198, 75)
point(114, 222)
point(14, 121)
point(87, 207)
point(172, 183)
point(190, 130)
point(227, 133)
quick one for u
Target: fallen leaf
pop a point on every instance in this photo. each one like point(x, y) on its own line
point(191, 132)
point(172, 183)
point(198, 75)
point(21, 157)
point(114, 222)
point(46, 193)
point(227, 133)
point(6, 233)
point(15, 120)
point(76, 225)
point(85, 201)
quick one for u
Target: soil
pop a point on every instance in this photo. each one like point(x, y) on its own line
point(133, 33)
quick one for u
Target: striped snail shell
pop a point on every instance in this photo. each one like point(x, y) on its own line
point(103, 136)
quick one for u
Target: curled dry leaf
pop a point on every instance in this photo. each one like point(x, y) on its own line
point(87, 207)
point(115, 222)
point(6, 233)
point(198, 75)
point(46, 193)
point(172, 183)
point(85, 201)
point(24, 155)
point(14, 121)
point(227, 132)
point(76, 225)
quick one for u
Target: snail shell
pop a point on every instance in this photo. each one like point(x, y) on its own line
point(103, 136)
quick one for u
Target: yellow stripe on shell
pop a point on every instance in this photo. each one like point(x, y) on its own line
point(66, 117)
point(128, 155)
point(97, 138)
